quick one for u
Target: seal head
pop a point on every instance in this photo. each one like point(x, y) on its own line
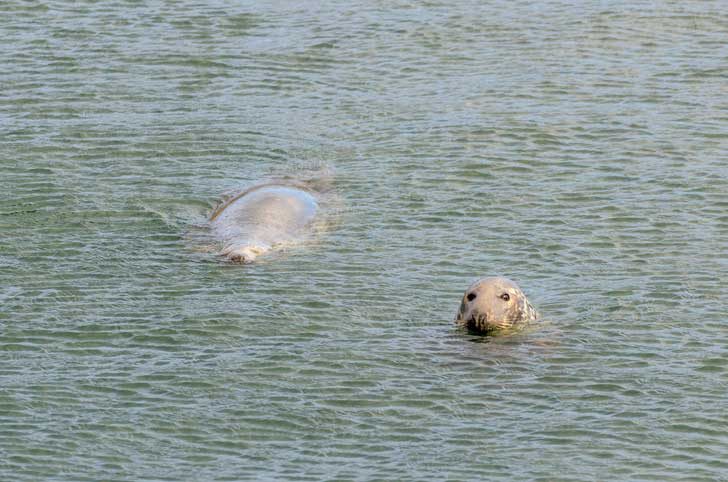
point(494, 304)
point(244, 254)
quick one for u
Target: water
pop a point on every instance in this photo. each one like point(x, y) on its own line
point(576, 147)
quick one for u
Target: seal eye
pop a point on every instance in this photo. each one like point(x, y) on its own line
point(471, 296)
point(505, 297)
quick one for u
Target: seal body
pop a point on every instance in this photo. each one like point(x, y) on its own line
point(494, 304)
point(262, 218)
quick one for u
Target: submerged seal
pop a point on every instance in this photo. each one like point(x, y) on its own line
point(494, 304)
point(262, 218)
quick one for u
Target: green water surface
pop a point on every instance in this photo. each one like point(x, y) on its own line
point(579, 148)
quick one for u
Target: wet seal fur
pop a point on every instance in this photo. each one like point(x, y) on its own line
point(262, 218)
point(494, 304)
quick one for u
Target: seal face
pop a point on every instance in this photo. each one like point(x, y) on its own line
point(494, 304)
point(262, 218)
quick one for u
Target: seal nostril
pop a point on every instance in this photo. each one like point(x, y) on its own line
point(471, 296)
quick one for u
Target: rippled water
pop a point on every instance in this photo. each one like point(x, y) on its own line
point(579, 148)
